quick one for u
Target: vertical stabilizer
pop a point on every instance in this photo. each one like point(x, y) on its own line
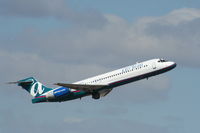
point(34, 87)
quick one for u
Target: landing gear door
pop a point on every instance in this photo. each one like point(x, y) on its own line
point(154, 65)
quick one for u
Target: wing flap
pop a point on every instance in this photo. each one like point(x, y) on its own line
point(82, 87)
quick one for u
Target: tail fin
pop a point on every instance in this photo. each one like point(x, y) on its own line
point(34, 87)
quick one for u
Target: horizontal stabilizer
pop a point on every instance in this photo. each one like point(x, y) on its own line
point(21, 82)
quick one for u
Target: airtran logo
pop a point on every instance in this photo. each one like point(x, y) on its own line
point(37, 89)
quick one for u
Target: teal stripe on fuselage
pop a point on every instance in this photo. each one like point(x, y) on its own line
point(71, 96)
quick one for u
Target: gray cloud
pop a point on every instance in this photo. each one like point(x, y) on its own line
point(64, 55)
point(71, 54)
point(58, 9)
point(167, 37)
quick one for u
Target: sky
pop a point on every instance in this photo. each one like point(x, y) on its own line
point(69, 40)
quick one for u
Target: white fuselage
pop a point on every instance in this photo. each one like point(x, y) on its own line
point(141, 68)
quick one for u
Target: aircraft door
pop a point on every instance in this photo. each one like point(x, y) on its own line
point(154, 65)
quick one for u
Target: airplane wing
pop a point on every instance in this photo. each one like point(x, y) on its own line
point(82, 87)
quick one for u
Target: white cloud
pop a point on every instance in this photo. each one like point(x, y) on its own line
point(174, 36)
point(176, 17)
point(21, 65)
point(70, 55)
point(181, 16)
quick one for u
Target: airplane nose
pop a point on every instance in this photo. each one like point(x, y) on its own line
point(172, 64)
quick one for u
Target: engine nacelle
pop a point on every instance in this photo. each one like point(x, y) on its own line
point(57, 93)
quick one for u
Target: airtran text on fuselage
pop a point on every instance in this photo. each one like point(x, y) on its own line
point(130, 68)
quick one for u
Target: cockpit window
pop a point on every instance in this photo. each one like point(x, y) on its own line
point(162, 60)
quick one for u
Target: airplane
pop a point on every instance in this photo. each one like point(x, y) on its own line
point(98, 86)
